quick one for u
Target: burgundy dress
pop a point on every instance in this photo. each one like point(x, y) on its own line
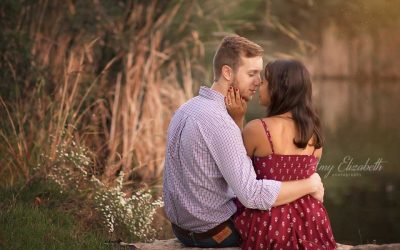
point(301, 224)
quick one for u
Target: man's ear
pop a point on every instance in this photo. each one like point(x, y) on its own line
point(227, 73)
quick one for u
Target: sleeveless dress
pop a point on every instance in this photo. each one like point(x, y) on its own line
point(301, 224)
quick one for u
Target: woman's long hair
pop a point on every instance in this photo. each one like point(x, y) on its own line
point(290, 89)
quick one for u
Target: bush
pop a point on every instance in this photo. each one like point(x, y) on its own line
point(126, 216)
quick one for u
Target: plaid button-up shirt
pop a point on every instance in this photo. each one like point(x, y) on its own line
point(206, 166)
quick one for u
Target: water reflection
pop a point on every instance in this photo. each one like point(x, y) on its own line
point(361, 122)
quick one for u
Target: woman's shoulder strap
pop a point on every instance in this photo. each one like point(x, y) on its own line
point(268, 135)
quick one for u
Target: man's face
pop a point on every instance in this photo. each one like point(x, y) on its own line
point(247, 77)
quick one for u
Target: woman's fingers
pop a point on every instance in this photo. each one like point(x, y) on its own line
point(227, 100)
point(234, 100)
point(237, 96)
point(231, 94)
point(229, 97)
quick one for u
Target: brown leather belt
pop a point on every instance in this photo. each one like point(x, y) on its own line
point(204, 235)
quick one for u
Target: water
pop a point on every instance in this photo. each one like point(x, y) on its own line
point(360, 165)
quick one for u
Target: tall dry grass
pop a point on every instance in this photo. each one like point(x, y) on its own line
point(114, 88)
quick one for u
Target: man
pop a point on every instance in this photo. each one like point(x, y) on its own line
point(206, 165)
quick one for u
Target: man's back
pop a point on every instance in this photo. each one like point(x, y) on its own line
point(196, 195)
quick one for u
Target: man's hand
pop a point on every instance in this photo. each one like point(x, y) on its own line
point(319, 195)
point(316, 182)
point(293, 190)
point(236, 106)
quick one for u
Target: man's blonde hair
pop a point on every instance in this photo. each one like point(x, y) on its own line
point(230, 50)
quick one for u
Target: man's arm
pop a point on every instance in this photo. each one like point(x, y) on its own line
point(224, 142)
point(293, 190)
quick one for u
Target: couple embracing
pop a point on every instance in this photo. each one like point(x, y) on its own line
point(253, 186)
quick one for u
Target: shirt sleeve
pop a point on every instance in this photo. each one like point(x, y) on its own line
point(224, 140)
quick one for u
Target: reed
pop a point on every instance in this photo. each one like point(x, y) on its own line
point(114, 87)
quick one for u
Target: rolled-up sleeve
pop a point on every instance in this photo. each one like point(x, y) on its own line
point(226, 147)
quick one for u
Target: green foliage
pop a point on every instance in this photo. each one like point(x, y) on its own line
point(129, 217)
point(126, 216)
point(36, 217)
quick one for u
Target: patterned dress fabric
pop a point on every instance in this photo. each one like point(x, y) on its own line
point(301, 224)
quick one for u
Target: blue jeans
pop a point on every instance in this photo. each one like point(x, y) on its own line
point(233, 240)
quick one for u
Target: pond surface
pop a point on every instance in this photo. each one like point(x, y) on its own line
point(360, 163)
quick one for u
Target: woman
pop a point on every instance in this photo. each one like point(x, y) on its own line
point(286, 145)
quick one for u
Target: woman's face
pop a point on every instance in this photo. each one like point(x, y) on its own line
point(264, 96)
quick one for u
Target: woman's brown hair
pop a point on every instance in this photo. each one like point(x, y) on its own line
point(290, 89)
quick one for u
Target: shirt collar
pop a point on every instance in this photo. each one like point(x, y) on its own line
point(211, 94)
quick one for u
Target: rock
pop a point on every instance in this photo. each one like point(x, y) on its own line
point(172, 244)
point(377, 247)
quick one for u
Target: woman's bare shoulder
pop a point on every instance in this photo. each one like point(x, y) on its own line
point(276, 124)
point(252, 127)
point(256, 126)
